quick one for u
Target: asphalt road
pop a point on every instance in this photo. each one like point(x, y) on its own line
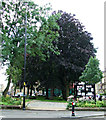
point(53, 115)
point(53, 119)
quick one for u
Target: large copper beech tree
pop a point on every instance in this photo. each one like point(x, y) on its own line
point(75, 50)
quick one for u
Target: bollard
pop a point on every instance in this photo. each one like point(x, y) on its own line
point(73, 104)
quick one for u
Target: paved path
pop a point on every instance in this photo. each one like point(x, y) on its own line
point(39, 105)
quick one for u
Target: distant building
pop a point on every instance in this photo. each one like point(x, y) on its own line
point(98, 88)
point(104, 82)
point(101, 86)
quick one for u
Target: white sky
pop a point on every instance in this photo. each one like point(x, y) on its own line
point(3, 76)
point(90, 13)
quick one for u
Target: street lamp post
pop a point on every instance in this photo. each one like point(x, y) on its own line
point(25, 61)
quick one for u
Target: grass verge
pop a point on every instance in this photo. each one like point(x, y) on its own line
point(43, 98)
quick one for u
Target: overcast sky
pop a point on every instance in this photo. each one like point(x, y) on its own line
point(90, 13)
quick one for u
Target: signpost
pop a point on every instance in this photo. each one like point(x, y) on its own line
point(85, 90)
point(25, 60)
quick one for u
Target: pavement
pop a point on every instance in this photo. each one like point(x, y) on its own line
point(40, 105)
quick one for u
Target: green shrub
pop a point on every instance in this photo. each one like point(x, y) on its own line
point(87, 104)
point(101, 103)
point(32, 97)
point(17, 102)
point(10, 101)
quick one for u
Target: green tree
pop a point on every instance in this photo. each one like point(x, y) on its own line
point(15, 74)
point(48, 79)
point(92, 73)
point(39, 37)
point(75, 46)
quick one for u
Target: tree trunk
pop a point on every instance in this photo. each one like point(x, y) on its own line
point(47, 94)
point(51, 93)
point(31, 90)
point(65, 92)
point(7, 88)
point(75, 91)
point(94, 94)
point(14, 90)
point(34, 90)
point(43, 92)
point(85, 89)
point(28, 91)
point(20, 87)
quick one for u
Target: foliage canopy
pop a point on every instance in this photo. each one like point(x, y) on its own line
point(92, 73)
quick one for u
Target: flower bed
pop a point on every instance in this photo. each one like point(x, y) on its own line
point(90, 104)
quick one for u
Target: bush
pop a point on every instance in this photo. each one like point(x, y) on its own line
point(10, 101)
point(101, 103)
point(32, 97)
point(87, 104)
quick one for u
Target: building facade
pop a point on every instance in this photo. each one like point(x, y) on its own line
point(104, 82)
point(101, 86)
